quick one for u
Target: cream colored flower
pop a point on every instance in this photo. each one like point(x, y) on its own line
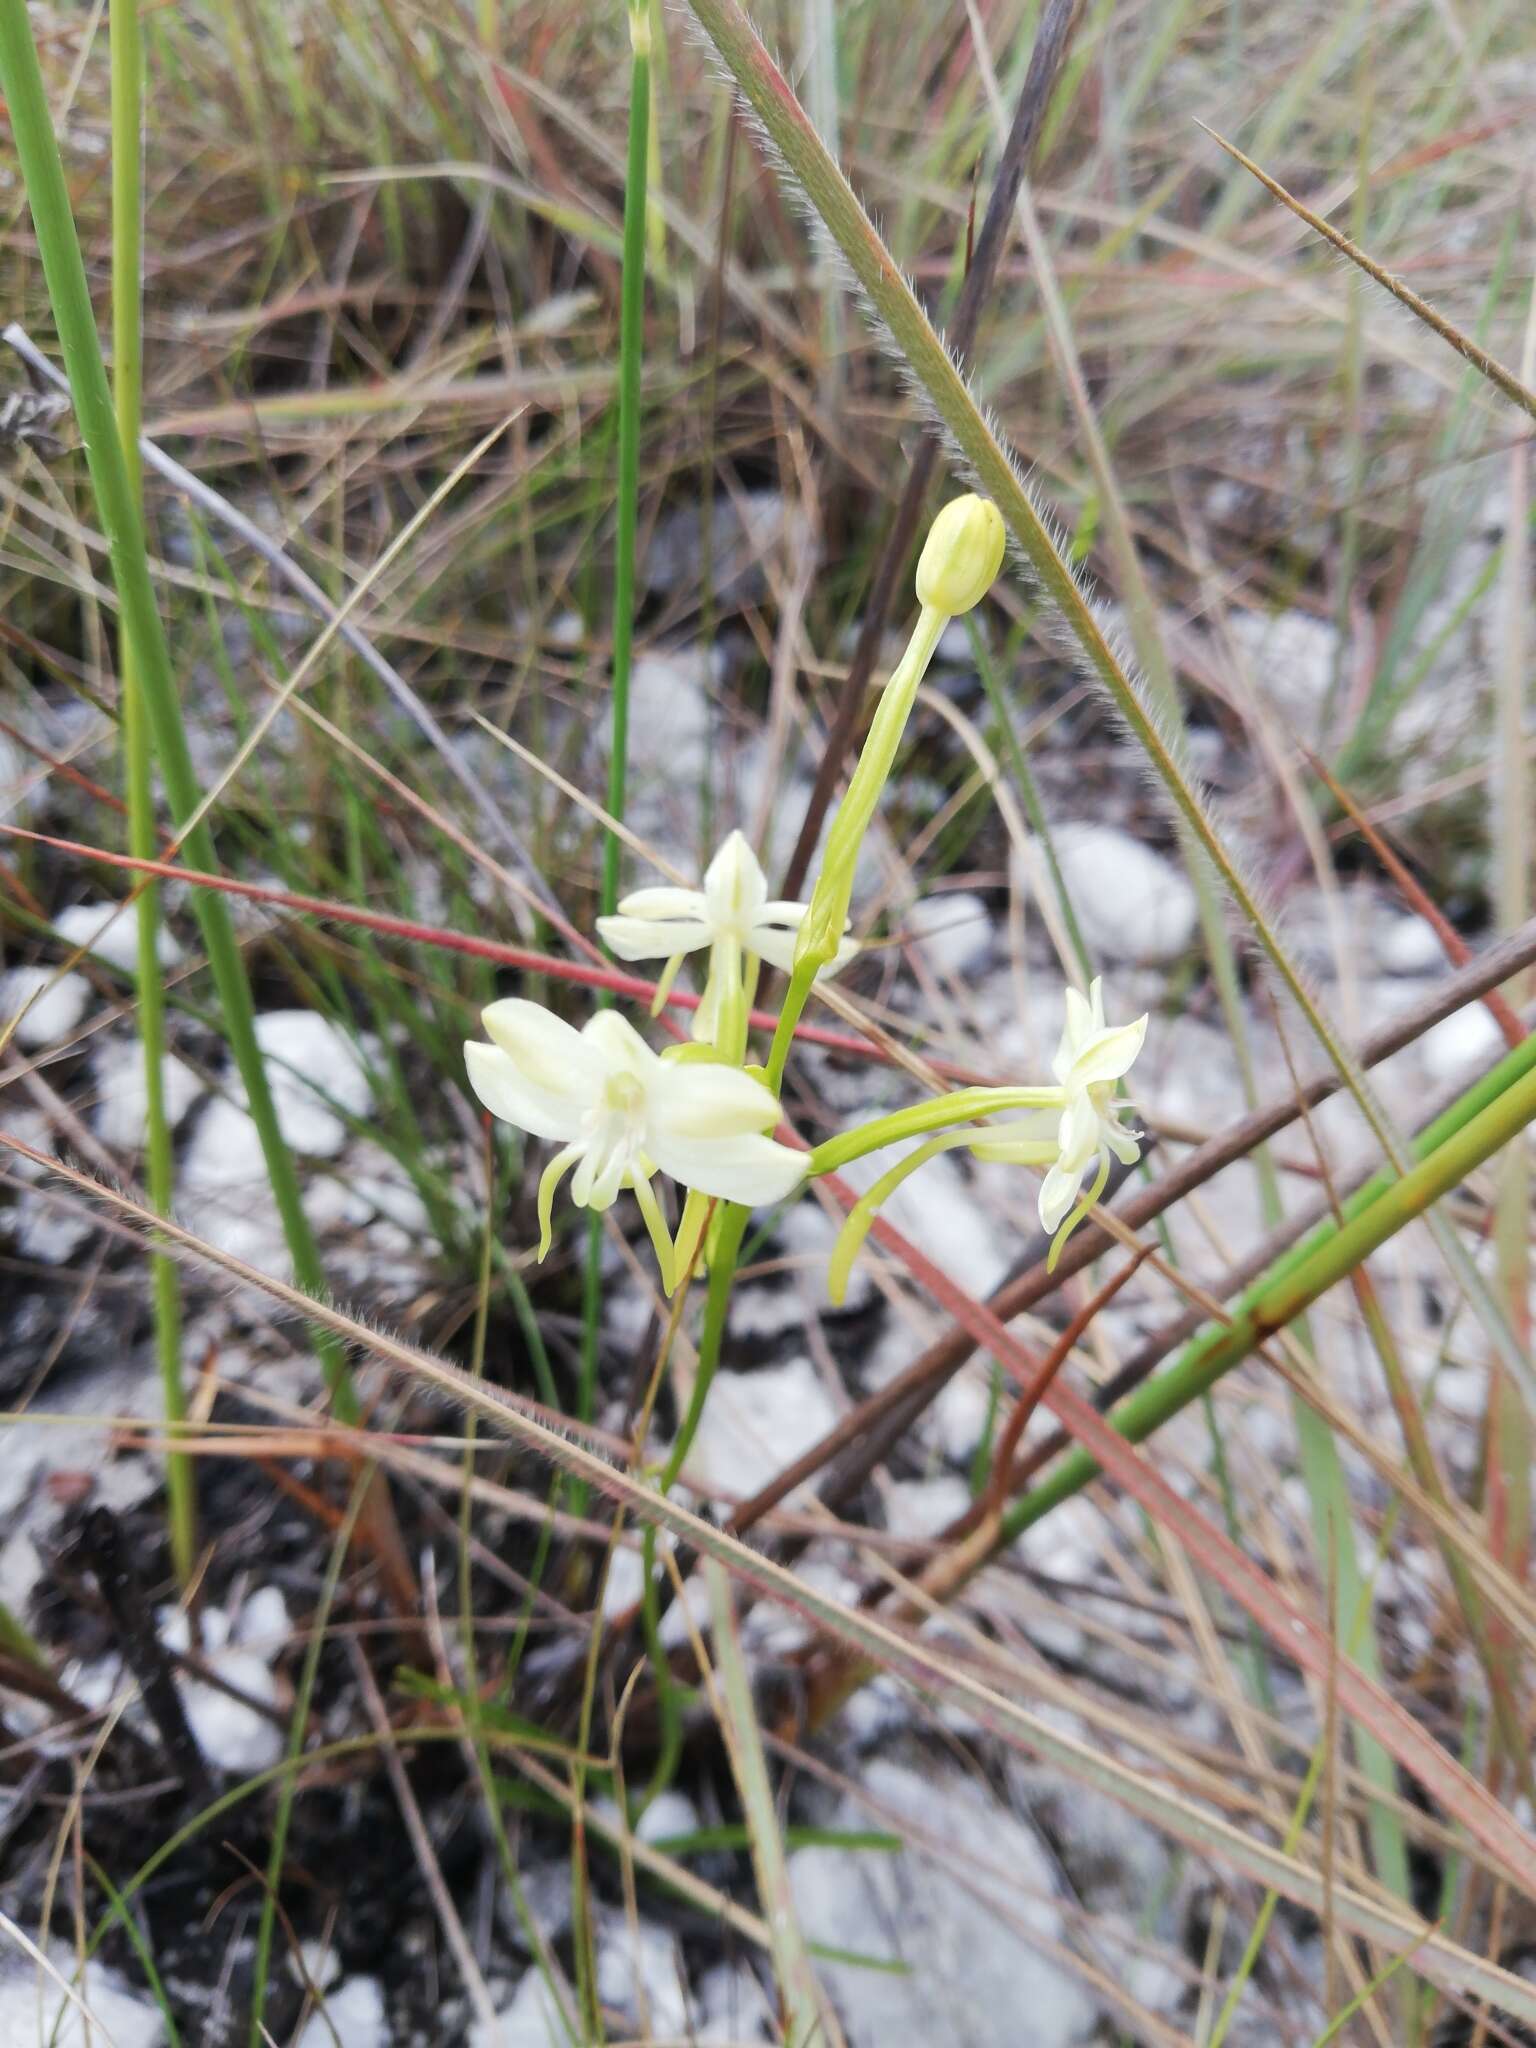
point(1090, 1059)
point(621, 1113)
point(731, 914)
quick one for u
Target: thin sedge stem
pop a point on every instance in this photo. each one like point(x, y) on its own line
point(127, 97)
point(1505, 380)
point(631, 348)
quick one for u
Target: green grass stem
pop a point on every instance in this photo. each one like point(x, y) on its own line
point(127, 48)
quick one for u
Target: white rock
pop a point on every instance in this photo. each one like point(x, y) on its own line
point(48, 1231)
point(953, 932)
point(21, 777)
point(1131, 902)
point(121, 1107)
point(625, 1581)
point(224, 1182)
point(34, 2010)
point(225, 1151)
point(669, 1813)
point(311, 1064)
point(1407, 945)
point(808, 1233)
point(117, 941)
point(54, 1014)
point(732, 2006)
point(960, 1415)
point(972, 1979)
point(234, 1736)
point(1462, 1391)
point(353, 2018)
point(920, 1508)
point(321, 1965)
point(756, 1423)
point(264, 1625)
point(670, 714)
point(954, 649)
point(1468, 1038)
point(1292, 657)
point(938, 1211)
point(532, 2020)
point(776, 1632)
point(637, 1968)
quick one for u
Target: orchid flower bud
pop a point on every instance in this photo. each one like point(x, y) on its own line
point(962, 555)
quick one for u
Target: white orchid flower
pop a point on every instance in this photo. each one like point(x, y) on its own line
point(1090, 1059)
point(731, 914)
point(620, 1113)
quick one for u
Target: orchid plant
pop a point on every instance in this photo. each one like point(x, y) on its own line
point(697, 1113)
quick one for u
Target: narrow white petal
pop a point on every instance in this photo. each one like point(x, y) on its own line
point(700, 1099)
point(773, 938)
point(613, 1041)
point(1079, 1137)
point(500, 1085)
point(748, 1169)
point(776, 947)
point(1080, 1023)
point(781, 912)
point(1121, 1141)
point(735, 886)
point(552, 1058)
point(664, 901)
point(1058, 1197)
point(644, 938)
point(1108, 1054)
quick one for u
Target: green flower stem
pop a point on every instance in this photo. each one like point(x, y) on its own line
point(918, 1118)
point(725, 1251)
point(821, 932)
point(1381, 1209)
point(631, 349)
point(21, 82)
point(127, 50)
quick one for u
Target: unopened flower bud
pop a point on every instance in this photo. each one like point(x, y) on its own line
point(961, 556)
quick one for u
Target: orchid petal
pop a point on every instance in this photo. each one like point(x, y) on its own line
point(549, 1182)
point(656, 1225)
point(1058, 1192)
point(1121, 1141)
point(735, 887)
point(1108, 1055)
point(702, 1099)
point(553, 1059)
point(1079, 1133)
point(500, 1085)
point(642, 938)
point(664, 901)
point(748, 1169)
point(619, 1047)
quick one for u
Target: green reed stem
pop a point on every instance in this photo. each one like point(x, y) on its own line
point(724, 1254)
point(1484, 1120)
point(127, 50)
point(631, 349)
point(21, 83)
